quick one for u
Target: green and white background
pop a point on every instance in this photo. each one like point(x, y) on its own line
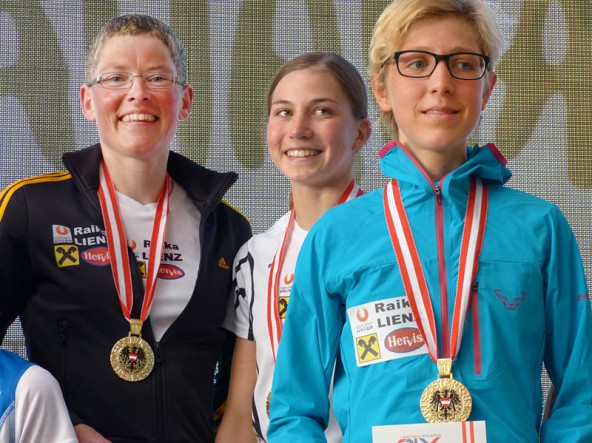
point(540, 115)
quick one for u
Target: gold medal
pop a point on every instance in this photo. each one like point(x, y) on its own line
point(268, 402)
point(445, 399)
point(132, 358)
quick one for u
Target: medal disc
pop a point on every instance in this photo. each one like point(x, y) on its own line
point(446, 400)
point(132, 358)
point(268, 402)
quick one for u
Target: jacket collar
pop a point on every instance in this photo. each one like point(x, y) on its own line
point(204, 186)
point(485, 162)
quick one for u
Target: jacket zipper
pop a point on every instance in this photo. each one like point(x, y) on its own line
point(442, 271)
point(160, 418)
point(159, 392)
point(438, 194)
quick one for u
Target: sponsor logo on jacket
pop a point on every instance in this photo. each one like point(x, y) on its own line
point(510, 302)
point(88, 244)
point(170, 272)
point(98, 256)
point(67, 242)
point(404, 340)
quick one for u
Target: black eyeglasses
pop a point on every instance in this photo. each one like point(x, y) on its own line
point(461, 65)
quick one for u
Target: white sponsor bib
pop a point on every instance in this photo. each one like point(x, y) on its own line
point(385, 330)
point(457, 432)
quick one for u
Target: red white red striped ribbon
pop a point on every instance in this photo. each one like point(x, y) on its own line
point(118, 248)
point(411, 270)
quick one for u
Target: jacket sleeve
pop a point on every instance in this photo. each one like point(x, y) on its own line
point(239, 313)
point(15, 263)
point(568, 349)
point(40, 409)
point(310, 338)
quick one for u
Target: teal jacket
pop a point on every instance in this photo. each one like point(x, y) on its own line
point(529, 305)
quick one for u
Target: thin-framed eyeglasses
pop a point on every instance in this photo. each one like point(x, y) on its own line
point(461, 65)
point(124, 80)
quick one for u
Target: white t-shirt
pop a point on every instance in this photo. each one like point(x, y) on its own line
point(180, 256)
point(40, 414)
point(247, 311)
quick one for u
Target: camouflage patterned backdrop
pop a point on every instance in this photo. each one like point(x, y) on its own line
point(540, 115)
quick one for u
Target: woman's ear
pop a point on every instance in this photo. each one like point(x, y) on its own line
point(364, 132)
point(86, 103)
point(489, 84)
point(186, 102)
point(381, 95)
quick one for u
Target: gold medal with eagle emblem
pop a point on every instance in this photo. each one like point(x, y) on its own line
point(132, 358)
point(445, 399)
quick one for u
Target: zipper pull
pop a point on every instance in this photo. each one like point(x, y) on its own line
point(157, 352)
point(63, 329)
point(438, 194)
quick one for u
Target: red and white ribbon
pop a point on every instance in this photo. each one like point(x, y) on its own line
point(411, 270)
point(118, 248)
point(274, 323)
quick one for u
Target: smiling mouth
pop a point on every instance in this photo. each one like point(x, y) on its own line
point(302, 153)
point(138, 118)
point(440, 112)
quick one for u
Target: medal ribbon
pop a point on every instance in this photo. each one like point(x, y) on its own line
point(411, 270)
point(117, 243)
point(274, 323)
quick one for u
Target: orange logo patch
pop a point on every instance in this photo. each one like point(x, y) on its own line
point(288, 278)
